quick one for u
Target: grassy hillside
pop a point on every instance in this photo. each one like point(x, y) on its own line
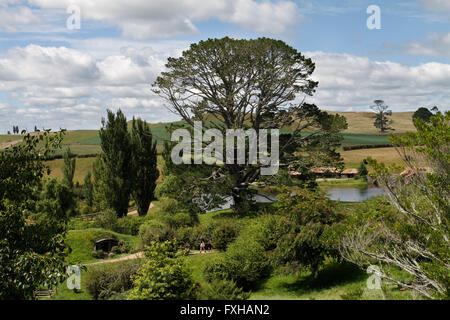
point(362, 122)
point(360, 131)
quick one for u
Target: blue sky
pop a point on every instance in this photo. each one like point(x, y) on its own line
point(54, 77)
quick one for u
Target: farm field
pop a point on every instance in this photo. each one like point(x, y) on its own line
point(353, 158)
point(362, 122)
point(361, 131)
point(83, 165)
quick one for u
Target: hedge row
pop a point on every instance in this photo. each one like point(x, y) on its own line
point(61, 156)
point(367, 146)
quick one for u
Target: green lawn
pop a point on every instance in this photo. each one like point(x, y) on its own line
point(81, 243)
point(325, 184)
point(332, 282)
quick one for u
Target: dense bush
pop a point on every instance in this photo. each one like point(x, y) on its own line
point(224, 232)
point(126, 225)
point(168, 205)
point(163, 276)
point(155, 230)
point(304, 219)
point(245, 262)
point(103, 282)
point(223, 290)
point(177, 220)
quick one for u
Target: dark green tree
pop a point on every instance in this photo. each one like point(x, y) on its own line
point(69, 168)
point(88, 189)
point(115, 162)
point(422, 113)
point(32, 228)
point(248, 84)
point(363, 171)
point(144, 163)
point(382, 113)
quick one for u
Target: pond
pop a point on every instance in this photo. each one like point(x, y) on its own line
point(354, 194)
point(335, 194)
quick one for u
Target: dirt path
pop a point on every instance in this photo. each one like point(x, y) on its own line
point(137, 256)
point(128, 257)
point(133, 213)
point(6, 144)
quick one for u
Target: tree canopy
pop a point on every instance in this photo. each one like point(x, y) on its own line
point(250, 84)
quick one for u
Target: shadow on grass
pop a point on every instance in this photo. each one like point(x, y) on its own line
point(331, 275)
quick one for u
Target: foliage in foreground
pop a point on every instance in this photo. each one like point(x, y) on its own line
point(106, 281)
point(163, 275)
point(416, 238)
point(31, 250)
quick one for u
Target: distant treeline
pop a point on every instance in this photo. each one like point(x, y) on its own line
point(367, 146)
point(61, 156)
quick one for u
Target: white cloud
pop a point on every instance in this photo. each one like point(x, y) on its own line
point(436, 45)
point(143, 19)
point(61, 87)
point(65, 87)
point(348, 81)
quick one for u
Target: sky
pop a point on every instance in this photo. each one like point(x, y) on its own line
point(63, 63)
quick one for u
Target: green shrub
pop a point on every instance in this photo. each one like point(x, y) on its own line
point(106, 220)
point(245, 262)
point(223, 290)
point(163, 276)
point(154, 230)
point(128, 225)
point(304, 219)
point(224, 232)
point(191, 235)
point(168, 205)
point(103, 282)
point(176, 220)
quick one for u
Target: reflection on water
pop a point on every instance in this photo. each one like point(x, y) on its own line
point(353, 194)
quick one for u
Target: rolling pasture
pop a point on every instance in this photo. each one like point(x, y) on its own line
point(360, 131)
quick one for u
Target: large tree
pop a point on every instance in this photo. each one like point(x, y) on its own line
point(114, 171)
point(422, 113)
point(249, 84)
point(144, 162)
point(382, 113)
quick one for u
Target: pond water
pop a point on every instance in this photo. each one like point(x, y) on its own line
point(335, 194)
point(354, 194)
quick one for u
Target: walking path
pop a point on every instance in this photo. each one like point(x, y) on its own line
point(137, 256)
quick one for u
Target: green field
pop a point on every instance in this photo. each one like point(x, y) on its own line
point(9, 137)
point(360, 132)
